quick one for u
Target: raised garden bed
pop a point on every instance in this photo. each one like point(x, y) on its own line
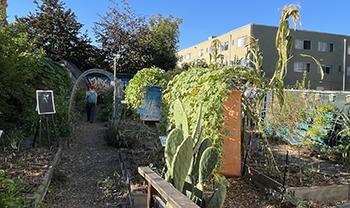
point(34, 167)
point(308, 177)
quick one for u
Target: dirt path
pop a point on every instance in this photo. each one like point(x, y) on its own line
point(83, 166)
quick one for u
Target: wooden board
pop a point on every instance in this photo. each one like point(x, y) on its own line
point(231, 133)
point(331, 193)
point(165, 190)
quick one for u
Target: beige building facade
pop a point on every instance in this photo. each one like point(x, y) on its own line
point(327, 48)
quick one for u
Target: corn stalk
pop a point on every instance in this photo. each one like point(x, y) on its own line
point(259, 83)
point(214, 55)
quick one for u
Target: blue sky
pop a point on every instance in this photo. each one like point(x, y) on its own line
point(203, 18)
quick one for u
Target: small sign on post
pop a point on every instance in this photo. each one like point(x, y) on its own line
point(151, 108)
point(45, 102)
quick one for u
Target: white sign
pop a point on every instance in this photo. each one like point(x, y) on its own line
point(45, 103)
point(162, 140)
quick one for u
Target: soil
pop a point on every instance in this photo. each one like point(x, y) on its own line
point(242, 193)
point(305, 169)
point(87, 175)
point(29, 165)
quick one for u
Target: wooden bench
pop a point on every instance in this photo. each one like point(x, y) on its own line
point(157, 186)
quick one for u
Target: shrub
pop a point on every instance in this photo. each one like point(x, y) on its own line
point(25, 69)
point(136, 89)
point(11, 194)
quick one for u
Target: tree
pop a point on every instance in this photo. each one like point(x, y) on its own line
point(122, 32)
point(3, 13)
point(56, 29)
point(139, 43)
point(163, 40)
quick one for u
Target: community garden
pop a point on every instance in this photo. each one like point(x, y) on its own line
point(208, 136)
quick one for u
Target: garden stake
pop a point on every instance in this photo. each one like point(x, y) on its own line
point(246, 154)
point(285, 175)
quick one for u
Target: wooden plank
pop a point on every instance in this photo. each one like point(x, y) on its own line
point(331, 193)
point(263, 180)
point(42, 189)
point(168, 192)
point(231, 134)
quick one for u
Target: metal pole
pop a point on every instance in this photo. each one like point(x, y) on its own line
point(344, 65)
point(115, 86)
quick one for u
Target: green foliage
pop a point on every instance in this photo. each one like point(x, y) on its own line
point(192, 163)
point(323, 116)
point(56, 29)
point(136, 89)
point(11, 194)
point(25, 69)
point(139, 42)
point(162, 40)
point(3, 13)
point(297, 109)
point(200, 86)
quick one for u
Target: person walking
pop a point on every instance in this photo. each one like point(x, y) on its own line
point(91, 99)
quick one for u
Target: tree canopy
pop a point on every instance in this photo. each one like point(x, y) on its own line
point(138, 42)
point(56, 29)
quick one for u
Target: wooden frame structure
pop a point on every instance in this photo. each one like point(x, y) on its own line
point(160, 188)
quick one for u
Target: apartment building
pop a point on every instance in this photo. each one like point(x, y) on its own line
point(327, 48)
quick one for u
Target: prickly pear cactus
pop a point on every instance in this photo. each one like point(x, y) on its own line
point(207, 165)
point(218, 198)
point(182, 163)
point(180, 118)
point(197, 132)
point(206, 143)
point(174, 140)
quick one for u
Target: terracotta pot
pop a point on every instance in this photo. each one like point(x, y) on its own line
point(231, 133)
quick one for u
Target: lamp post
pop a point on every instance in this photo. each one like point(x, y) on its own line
point(344, 65)
point(115, 57)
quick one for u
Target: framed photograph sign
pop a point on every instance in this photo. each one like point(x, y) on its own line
point(45, 102)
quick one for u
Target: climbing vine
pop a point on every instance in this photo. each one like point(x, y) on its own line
point(136, 89)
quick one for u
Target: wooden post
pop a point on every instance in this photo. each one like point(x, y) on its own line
point(231, 133)
point(150, 192)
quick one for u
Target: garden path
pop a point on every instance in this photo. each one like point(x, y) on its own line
point(88, 161)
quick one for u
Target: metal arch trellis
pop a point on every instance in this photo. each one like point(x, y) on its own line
point(119, 86)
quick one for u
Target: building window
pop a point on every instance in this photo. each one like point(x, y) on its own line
point(208, 50)
point(299, 44)
point(322, 46)
point(348, 50)
point(301, 67)
point(348, 70)
point(303, 44)
point(200, 53)
point(241, 42)
point(325, 47)
point(224, 46)
point(307, 44)
point(188, 56)
point(326, 69)
point(331, 47)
